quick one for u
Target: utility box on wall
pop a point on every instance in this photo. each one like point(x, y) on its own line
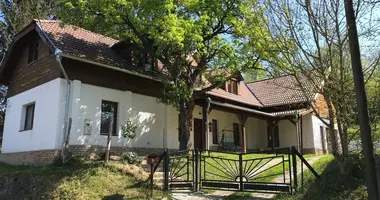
point(87, 126)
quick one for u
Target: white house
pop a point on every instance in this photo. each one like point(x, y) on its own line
point(62, 80)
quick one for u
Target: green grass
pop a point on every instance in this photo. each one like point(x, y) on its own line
point(80, 181)
point(329, 186)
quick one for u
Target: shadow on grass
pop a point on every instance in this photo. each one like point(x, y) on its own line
point(114, 197)
point(330, 185)
point(29, 182)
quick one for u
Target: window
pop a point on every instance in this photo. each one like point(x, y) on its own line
point(276, 137)
point(28, 117)
point(33, 51)
point(232, 87)
point(215, 131)
point(109, 110)
point(322, 131)
point(236, 134)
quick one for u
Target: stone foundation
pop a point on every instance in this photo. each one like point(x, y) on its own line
point(41, 157)
point(315, 151)
point(85, 150)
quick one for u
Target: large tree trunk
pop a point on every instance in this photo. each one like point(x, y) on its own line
point(342, 130)
point(185, 119)
point(334, 143)
point(361, 99)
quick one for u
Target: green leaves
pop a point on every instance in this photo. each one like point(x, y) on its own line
point(215, 34)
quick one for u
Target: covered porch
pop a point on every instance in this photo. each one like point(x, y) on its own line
point(228, 126)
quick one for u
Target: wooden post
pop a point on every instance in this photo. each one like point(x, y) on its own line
point(205, 142)
point(109, 139)
point(294, 162)
point(271, 132)
point(166, 171)
point(243, 119)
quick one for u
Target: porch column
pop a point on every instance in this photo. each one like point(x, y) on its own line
point(205, 127)
point(271, 131)
point(300, 130)
point(243, 119)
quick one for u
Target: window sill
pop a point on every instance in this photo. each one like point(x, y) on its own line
point(31, 63)
point(106, 134)
point(25, 130)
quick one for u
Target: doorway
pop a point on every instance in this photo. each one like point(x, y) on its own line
point(199, 139)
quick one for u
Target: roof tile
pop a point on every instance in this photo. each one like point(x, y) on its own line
point(282, 90)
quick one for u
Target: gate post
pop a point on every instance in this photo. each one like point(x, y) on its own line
point(294, 158)
point(196, 171)
point(166, 171)
point(241, 171)
point(290, 169)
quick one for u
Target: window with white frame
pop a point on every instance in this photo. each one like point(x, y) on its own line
point(27, 117)
point(109, 111)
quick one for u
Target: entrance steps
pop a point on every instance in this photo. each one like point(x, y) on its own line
point(158, 176)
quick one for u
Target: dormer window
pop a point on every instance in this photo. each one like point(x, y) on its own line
point(232, 87)
point(33, 51)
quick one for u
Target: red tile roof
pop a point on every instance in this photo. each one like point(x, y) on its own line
point(78, 42)
point(282, 90)
point(245, 95)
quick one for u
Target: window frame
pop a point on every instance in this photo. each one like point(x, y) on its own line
point(115, 121)
point(234, 87)
point(33, 51)
point(231, 86)
point(25, 115)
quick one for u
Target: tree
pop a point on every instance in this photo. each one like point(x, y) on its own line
point(314, 43)
point(187, 38)
point(361, 99)
point(14, 16)
point(17, 14)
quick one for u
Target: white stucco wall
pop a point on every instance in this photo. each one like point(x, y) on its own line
point(157, 122)
point(317, 123)
point(142, 110)
point(47, 125)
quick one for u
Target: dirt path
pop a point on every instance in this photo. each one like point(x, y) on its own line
point(255, 196)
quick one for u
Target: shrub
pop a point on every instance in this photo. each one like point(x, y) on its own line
point(130, 157)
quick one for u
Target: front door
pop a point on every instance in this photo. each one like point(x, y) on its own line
point(198, 134)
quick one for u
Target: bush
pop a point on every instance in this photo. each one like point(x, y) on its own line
point(130, 157)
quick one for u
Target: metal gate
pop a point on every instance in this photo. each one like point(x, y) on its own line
point(179, 170)
point(260, 171)
point(245, 171)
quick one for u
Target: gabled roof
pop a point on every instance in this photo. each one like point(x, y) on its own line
point(75, 42)
point(245, 96)
point(282, 90)
point(81, 43)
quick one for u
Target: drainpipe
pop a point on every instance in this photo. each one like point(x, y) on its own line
point(66, 121)
point(297, 137)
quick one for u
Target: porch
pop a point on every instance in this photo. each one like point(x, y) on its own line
point(223, 126)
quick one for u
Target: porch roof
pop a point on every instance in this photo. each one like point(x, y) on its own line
point(256, 113)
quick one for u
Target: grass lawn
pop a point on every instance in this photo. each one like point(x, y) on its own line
point(225, 167)
point(79, 181)
point(328, 186)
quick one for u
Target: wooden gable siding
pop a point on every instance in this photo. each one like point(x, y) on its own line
point(110, 78)
point(26, 76)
